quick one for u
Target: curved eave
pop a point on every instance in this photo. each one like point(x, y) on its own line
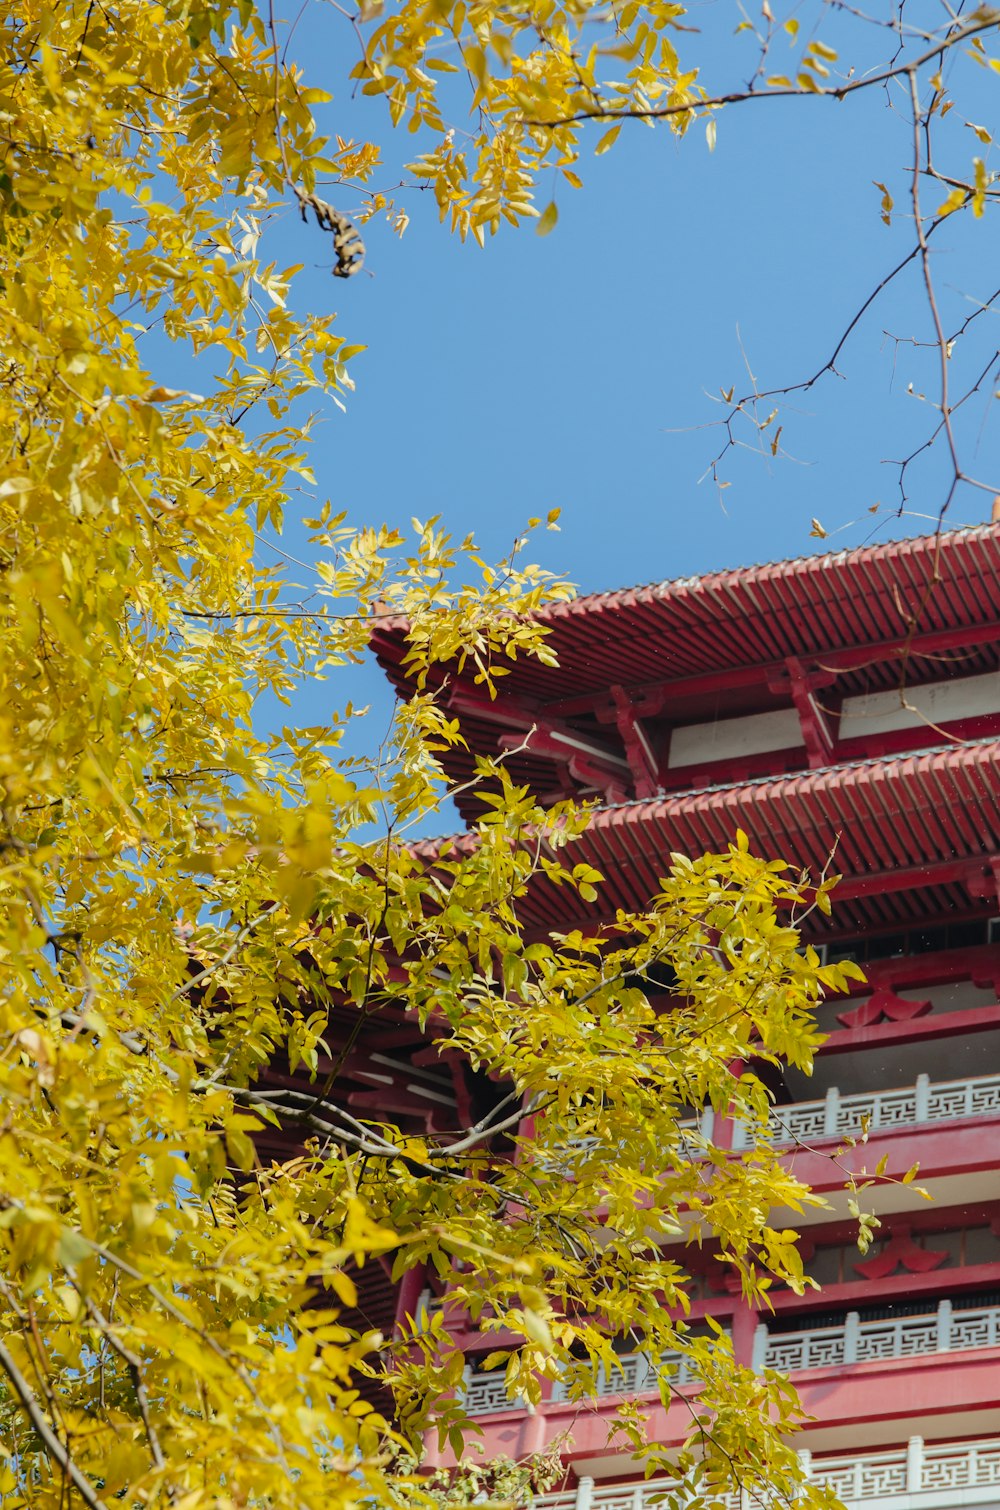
point(913, 837)
point(755, 615)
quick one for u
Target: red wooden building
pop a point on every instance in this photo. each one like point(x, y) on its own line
point(849, 703)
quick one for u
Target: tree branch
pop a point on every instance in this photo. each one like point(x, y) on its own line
point(983, 21)
point(51, 1442)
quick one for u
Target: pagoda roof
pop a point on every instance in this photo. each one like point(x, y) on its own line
point(799, 607)
point(698, 649)
point(915, 838)
point(754, 615)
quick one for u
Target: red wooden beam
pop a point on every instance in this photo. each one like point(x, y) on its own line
point(801, 685)
point(917, 1030)
point(653, 696)
point(638, 747)
point(966, 871)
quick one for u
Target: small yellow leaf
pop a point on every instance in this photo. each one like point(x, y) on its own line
point(547, 220)
point(955, 201)
point(887, 202)
point(536, 1328)
point(817, 530)
point(979, 196)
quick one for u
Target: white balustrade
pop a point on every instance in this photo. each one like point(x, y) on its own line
point(633, 1374)
point(837, 1116)
point(932, 1476)
point(856, 1341)
point(701, 1127)
point(483, 1393)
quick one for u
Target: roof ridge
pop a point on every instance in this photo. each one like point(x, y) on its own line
point(467, 835)
point(789, 566)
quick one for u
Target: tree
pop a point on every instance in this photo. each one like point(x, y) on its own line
point(189, 901)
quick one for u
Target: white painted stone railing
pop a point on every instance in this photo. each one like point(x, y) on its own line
point(702, 1126)
point(925, 1475)
point(484, 1393)
point(856, 1341)
point(633, 1375)
point(837, 1115)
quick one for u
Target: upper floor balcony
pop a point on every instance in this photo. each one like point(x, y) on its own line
point(633, 1374)
point(838, 1115)
point(942, 1329)
point(877, 1367)
point(920, 1476)
point(947, 1327)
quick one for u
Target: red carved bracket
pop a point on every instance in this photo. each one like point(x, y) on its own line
point(883, 1002)
point(901, 1249)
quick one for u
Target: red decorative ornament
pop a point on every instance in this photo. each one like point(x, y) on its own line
point(901, 1249)
point(883, 1003)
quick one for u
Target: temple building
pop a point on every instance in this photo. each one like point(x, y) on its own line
point(845, 706)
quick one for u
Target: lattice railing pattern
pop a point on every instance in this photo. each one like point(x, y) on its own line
point(633, 1374)
point(931, 1475)
point(488, 1392)
point(690, 1130)
point(837, 1116)
point(856, 1341)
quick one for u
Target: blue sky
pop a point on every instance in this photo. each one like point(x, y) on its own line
point(574, 371)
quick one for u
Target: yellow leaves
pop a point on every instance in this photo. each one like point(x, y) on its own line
point(886, 204)
point(343, 1287)
point(817, 531)
point(475, 61)
point(955, 200)
point(547, 220)
point(240, 1145)
point(193, 924)
point(536, 1328)
point(981, 181)
point(608, 140)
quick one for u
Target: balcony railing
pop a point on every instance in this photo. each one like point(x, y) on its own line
point(485, 1393)
point(836, 1115)
point(856, 1341)
point(633, 1374)
point(928, 1475)
point(692, 1128)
